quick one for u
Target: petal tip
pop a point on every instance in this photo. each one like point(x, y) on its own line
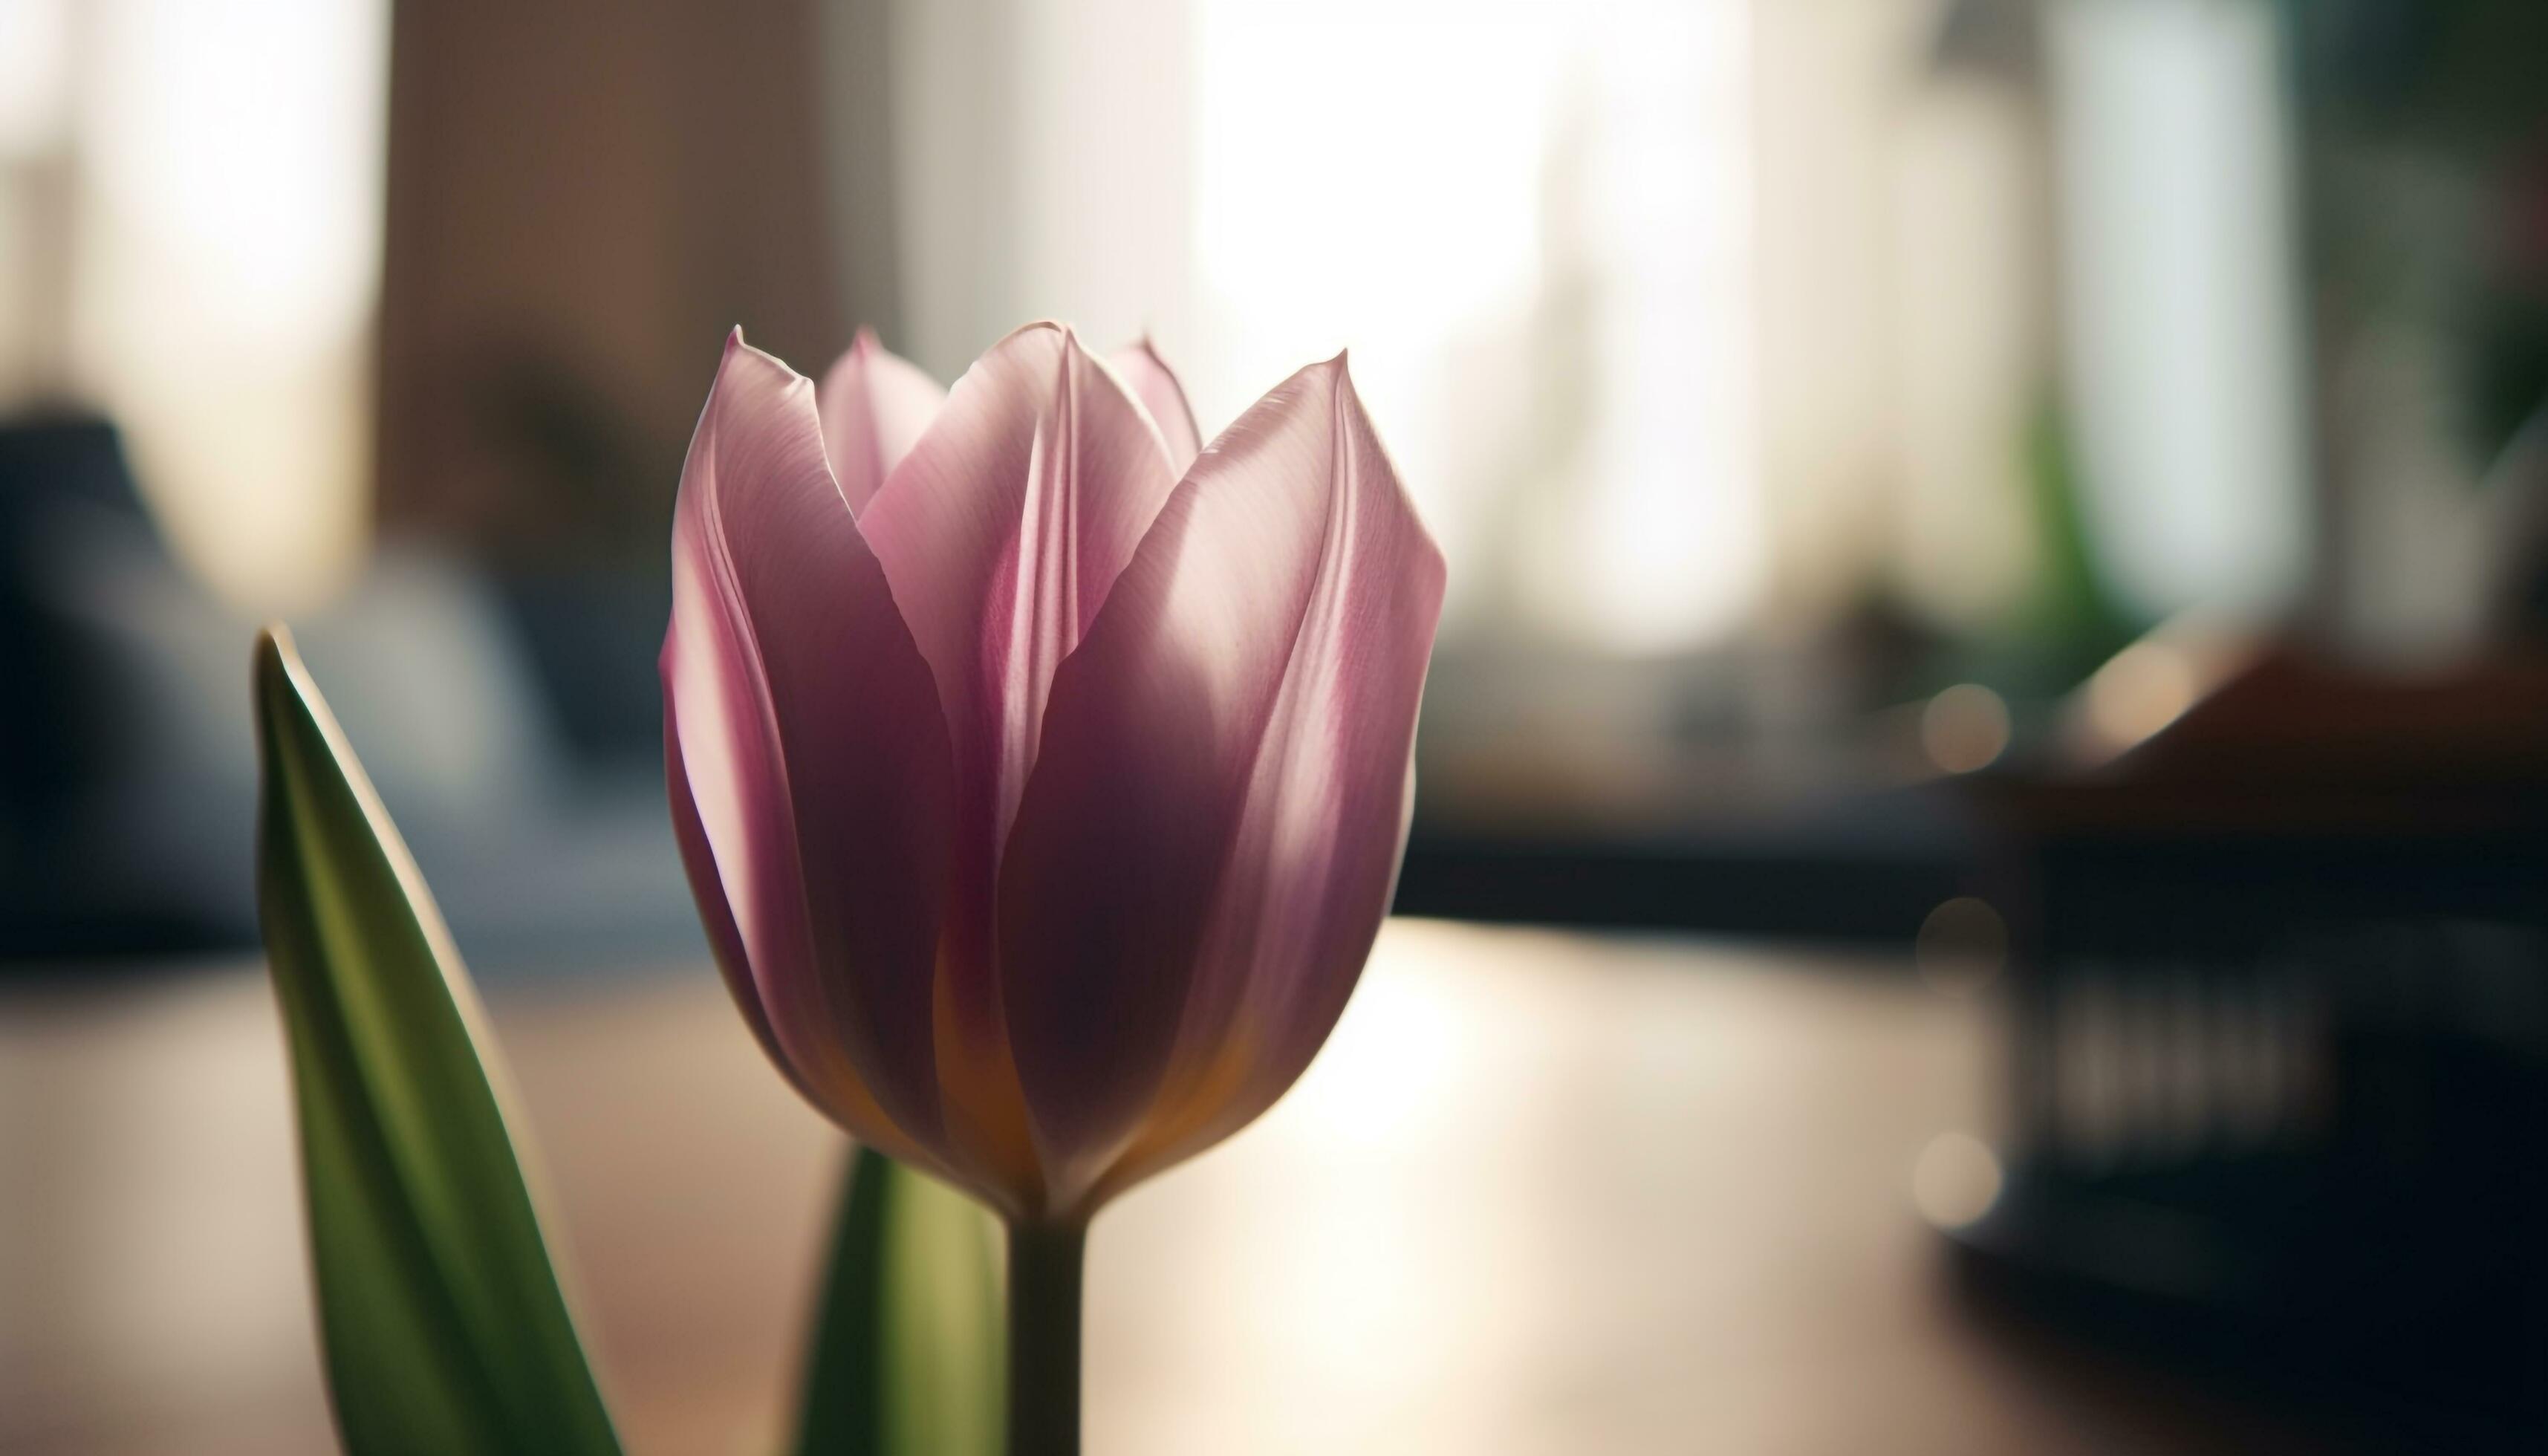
point(1335, 372)
point(1147, 345)
point(738, 350)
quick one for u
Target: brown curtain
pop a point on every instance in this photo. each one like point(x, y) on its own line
point(584, 195)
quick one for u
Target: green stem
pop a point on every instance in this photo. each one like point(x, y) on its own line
point(1044, 1262)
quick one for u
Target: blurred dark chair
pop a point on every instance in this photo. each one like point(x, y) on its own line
point(129, 777)
point(2279, 987)
point(63, 491)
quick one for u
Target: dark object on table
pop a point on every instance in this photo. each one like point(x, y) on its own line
point(128, 783)
point(2281, 1042)
point(66, 503)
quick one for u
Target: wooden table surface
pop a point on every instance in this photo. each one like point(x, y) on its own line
point(1541, 1193)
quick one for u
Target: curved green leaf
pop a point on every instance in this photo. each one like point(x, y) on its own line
point(444, 1326)
point(909, 1354)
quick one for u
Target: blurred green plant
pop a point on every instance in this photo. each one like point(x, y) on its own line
point(443, 1321)
point(909, 1353)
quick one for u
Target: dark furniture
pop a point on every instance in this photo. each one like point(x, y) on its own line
point(2280, 1053)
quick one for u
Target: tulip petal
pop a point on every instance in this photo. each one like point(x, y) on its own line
point(716, 915)
point(1212, 830)
point(1155, 385)
point(875, 405)
point(854, 1105)
point(812, 756)
point(1002, 532)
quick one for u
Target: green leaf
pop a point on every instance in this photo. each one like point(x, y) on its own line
point(909, 1356)
point(444, 1326)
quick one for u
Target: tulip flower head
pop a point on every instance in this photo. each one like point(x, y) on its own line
point(1040, 771)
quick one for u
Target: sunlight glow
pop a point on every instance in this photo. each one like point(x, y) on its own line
point(2140, 690)
point(1531, 224)
point(1964, 728)
point(2182, 319)
point(1956, 1180)
point(228, 235)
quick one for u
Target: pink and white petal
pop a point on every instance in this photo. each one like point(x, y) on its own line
point(845, 1098)
point(875, 405)
point(1002, 533)
point(812, 751)
point(1004, 529)
point(1155, 385)
point(707, 888)
point(1233, 1060)
point(1209, 841)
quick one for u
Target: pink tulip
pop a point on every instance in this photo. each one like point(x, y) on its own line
point(1042, 773)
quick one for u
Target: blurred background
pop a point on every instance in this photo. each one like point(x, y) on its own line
point(1999, 553)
